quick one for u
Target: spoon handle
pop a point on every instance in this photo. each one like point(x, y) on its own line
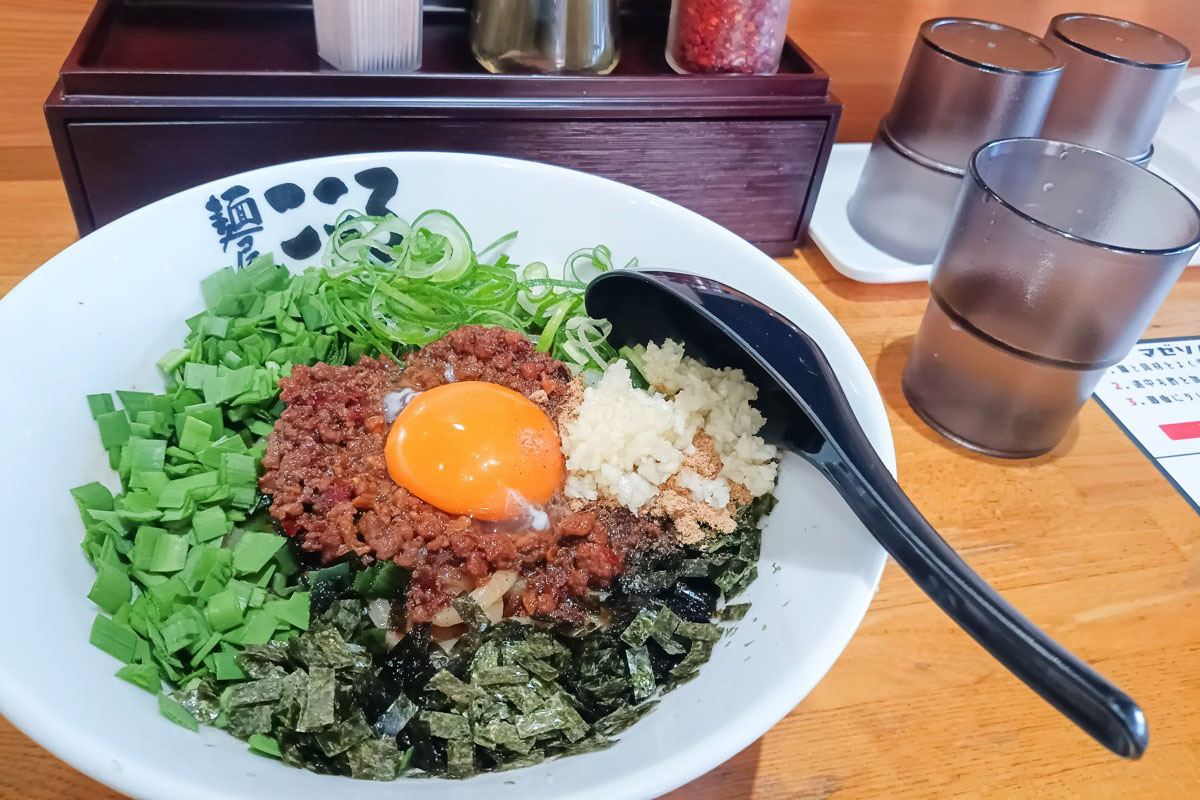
point(1089, 700)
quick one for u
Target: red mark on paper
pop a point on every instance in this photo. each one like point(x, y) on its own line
point(1177, 431)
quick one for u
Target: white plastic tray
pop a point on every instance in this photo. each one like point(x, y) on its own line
point(1176, 158)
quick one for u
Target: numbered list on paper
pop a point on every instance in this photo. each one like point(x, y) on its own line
point(1154, 394)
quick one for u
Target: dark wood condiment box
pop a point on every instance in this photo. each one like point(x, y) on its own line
point(160, 95)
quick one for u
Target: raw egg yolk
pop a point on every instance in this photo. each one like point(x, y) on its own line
point(469, 447)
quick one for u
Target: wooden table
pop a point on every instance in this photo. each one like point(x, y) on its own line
point(1090, 541)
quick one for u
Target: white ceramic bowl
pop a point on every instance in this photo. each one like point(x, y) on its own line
point(97, 317)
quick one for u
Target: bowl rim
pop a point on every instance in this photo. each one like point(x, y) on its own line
point(90, 756)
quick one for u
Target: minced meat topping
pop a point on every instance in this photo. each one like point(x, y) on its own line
point(327, 477)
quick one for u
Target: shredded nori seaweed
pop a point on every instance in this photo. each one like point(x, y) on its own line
point(335, 700)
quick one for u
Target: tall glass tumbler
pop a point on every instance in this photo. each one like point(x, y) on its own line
point(1056, 258)
point(1117, 81)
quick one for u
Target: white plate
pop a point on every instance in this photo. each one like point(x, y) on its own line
point(97, 317)
point(859, 260)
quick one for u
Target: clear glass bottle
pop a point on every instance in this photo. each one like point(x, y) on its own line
point(548, 36)
point(732, 36)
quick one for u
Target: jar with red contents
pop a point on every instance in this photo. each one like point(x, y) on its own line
point(730, 36)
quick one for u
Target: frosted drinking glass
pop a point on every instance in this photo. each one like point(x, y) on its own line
point(1055, 260)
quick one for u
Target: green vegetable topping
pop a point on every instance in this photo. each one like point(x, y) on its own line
point(112, 588)
point(143, 675)
point(117, 640)
point(173, 710)
point(254, 550)
point(263, 744)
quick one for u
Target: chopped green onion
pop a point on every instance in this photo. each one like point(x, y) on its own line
point(156, 550)
point(258, 628)
point(210, 523)
point(293, 610)
point(335, 572)
point(172, 710)
point(114, 429)
point(238, 470)
point(264, 745)
point(100, 404)
point(112, 588)
point(142, 675)
point(225, 666)
point(195, 434)
point(224, 610)
point(118, 641)
point(254, 549)
point(382, 579)
point(496, 245)
point(92, 496)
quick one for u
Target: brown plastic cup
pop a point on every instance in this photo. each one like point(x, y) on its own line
point(1118, 79)
point(1056, 258)
point(967, 82)
point(903, 201)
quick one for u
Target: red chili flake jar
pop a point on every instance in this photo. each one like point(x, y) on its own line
point(735, 36)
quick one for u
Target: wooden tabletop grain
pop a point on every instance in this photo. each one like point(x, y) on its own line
point(1089, 541)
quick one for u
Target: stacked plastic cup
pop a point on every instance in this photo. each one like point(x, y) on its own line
point(1118, 79)
point(967, 82)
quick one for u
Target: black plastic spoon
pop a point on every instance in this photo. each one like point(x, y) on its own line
point(807, 412)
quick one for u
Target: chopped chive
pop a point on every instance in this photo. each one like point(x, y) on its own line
point(92, 496)
point(172, 710)
point(184, 628)
point(200, 653)
point(226, 668)
point(224, 610)
point(118, 641)
point(194, 435)
point(286, 562)
point(264, 745)
point(257, 629)
point(146, 455)
point(156, 550)
point(335, 572)
point(142, 675)
point(238, 470)
point(172, 360)
point(112, 588)
point(134, 401)
point(100, 404)
point(114, 429)
point(207, 562)
point(254, 550)
point(382, 579)
point(210, 523)
point(293, 610)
